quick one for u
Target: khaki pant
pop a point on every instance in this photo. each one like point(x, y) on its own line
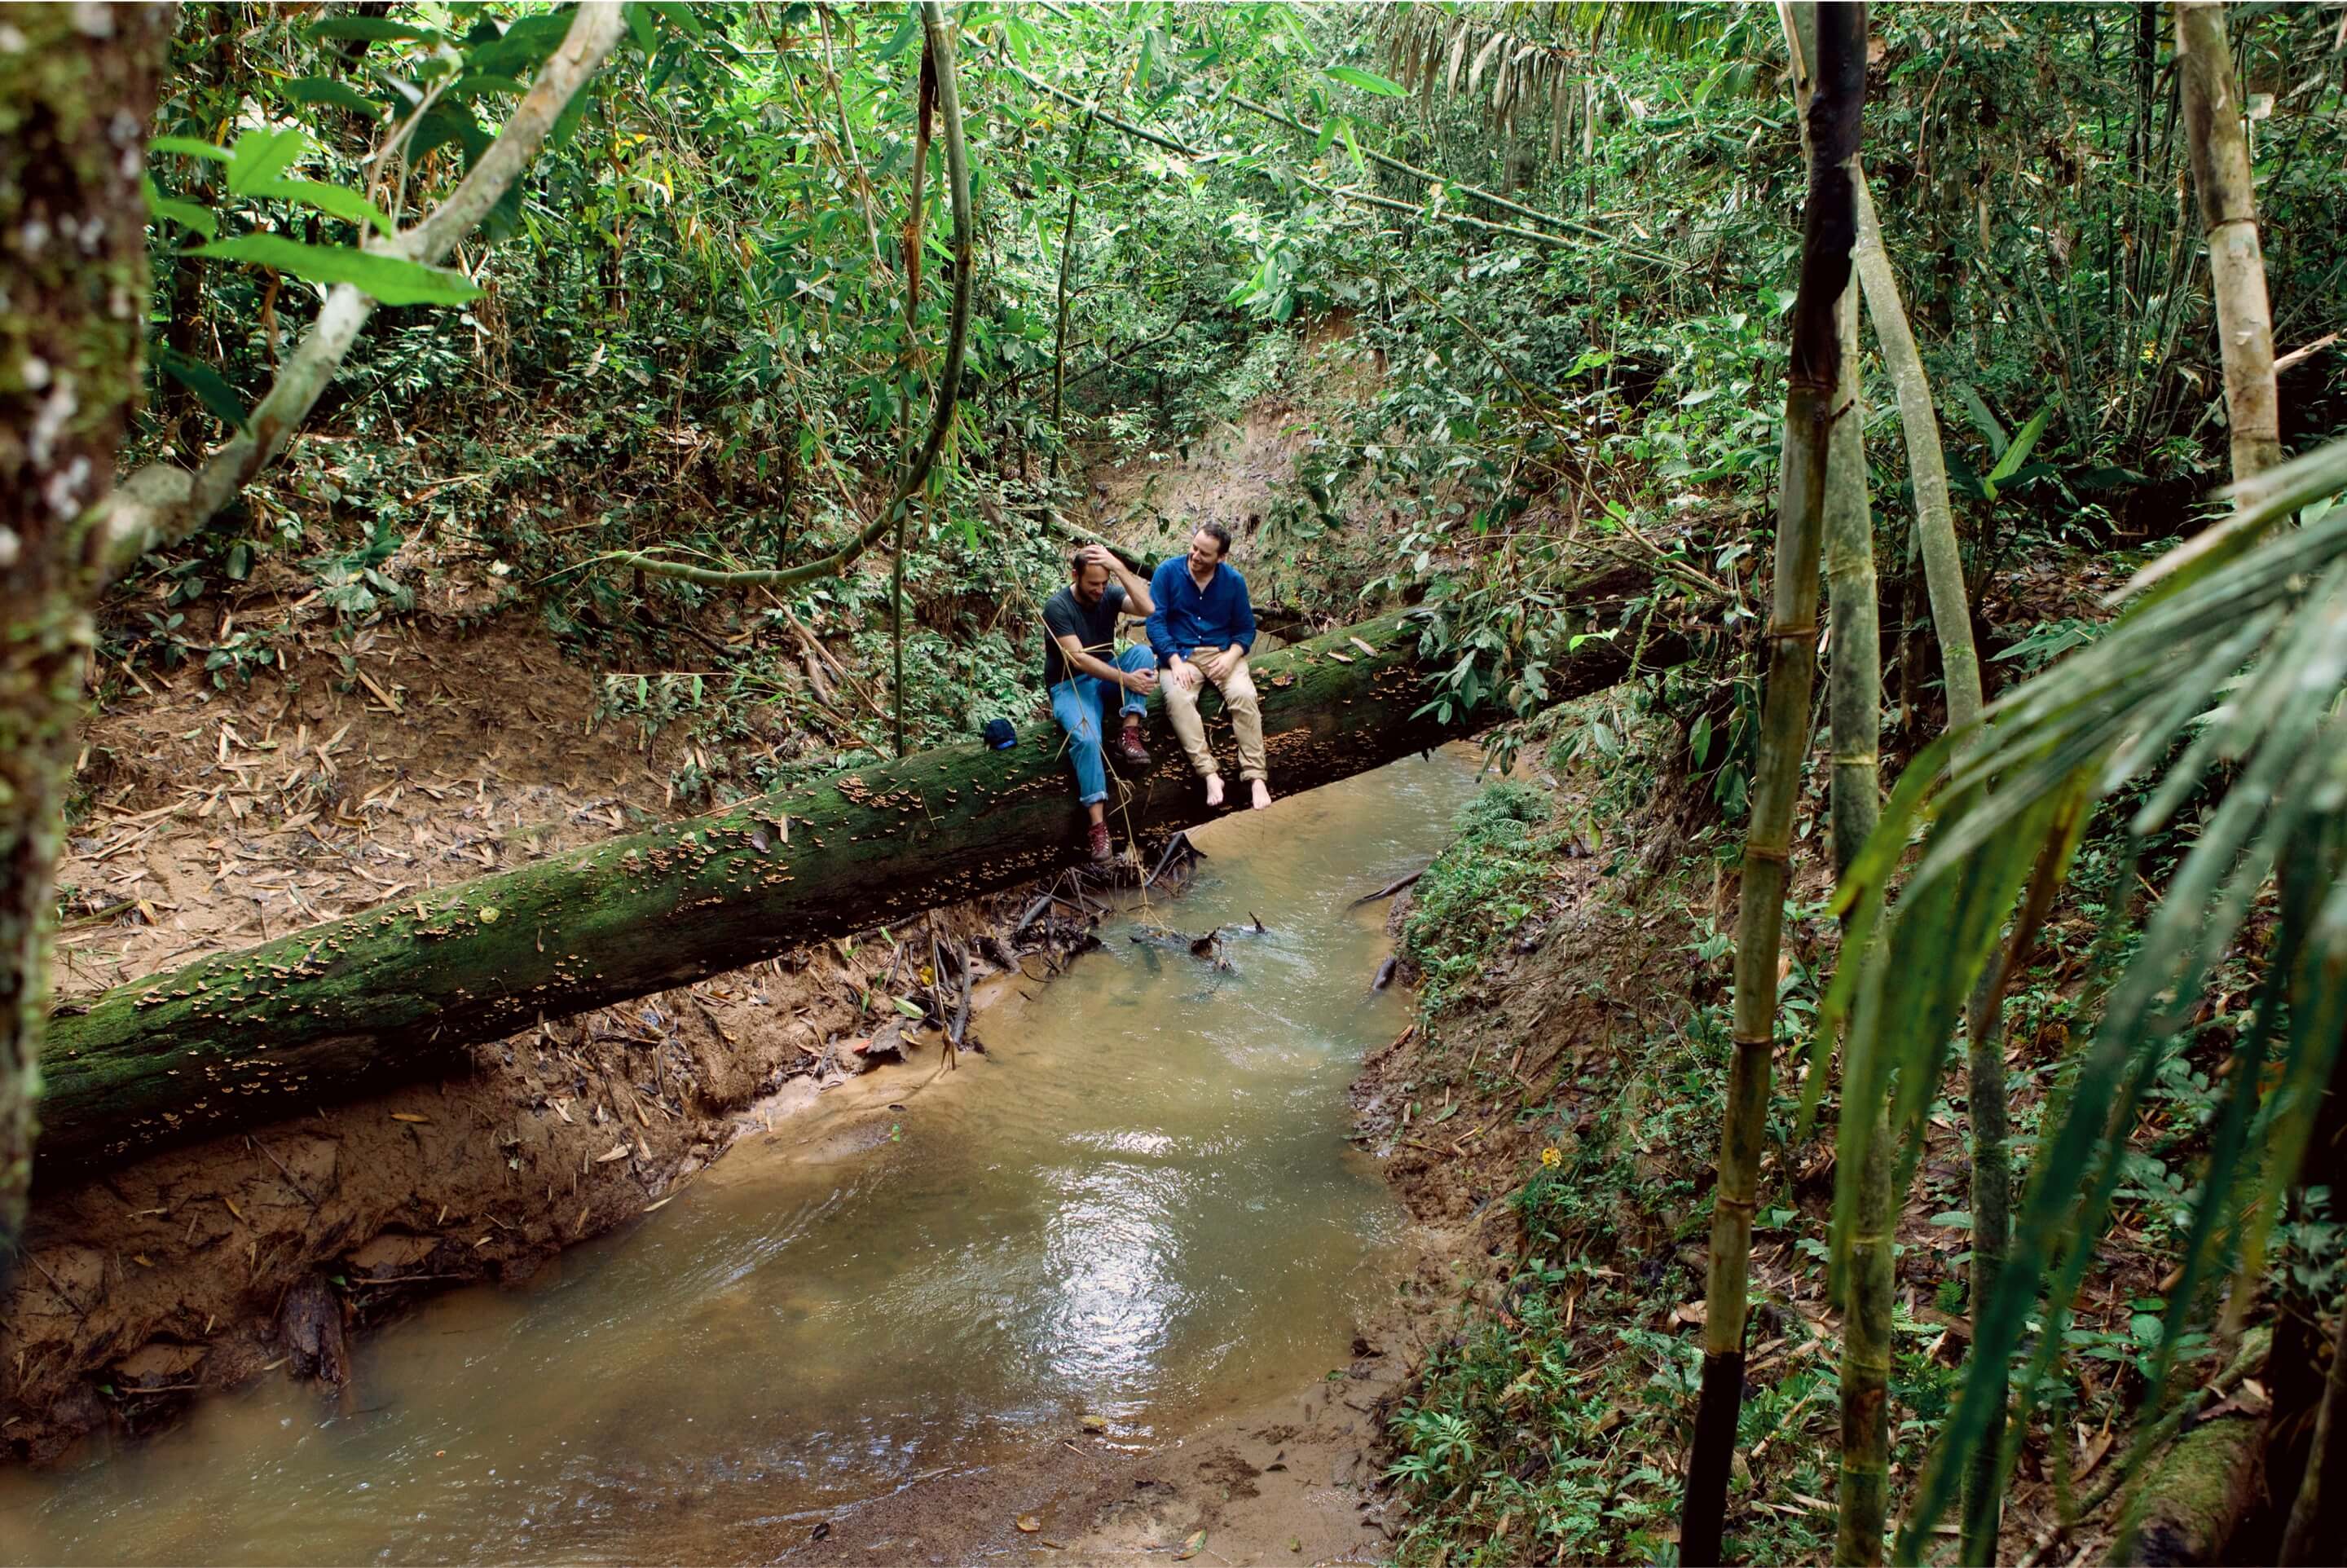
point(1247, 721)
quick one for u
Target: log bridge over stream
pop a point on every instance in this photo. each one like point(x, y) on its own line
point(397, 992)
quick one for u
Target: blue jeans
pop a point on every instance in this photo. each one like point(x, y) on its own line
point(1081, 704)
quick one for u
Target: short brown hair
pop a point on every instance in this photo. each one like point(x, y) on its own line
point(1219, 534)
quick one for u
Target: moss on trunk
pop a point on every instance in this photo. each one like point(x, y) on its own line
point(78, 87)
point(394, 992)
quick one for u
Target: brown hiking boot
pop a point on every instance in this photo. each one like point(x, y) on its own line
point(1129, 749)
point(1097, 841)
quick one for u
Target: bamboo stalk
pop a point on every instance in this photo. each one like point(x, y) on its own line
point(1986, 1088)
point(1927, 469)
point(2228, 219)
point(1855, 703)
point(1829, 225)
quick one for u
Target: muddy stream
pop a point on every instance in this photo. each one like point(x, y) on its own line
point(1138, 1205)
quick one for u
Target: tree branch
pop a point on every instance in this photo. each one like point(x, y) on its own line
point(162, 503)
point(1554, 242)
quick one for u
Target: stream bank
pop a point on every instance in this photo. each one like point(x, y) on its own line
point(1135, 1216)
point(206, 826)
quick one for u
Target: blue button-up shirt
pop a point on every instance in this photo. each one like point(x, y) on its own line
point(1188, 618)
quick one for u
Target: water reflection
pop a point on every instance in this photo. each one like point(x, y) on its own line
point(1139, 1202)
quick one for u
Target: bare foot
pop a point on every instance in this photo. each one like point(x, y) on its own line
point(1214, 789)
point(1262, 794)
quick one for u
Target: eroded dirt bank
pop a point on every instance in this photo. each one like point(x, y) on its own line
point(213, 823)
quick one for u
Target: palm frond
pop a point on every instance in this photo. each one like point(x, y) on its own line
point(2239, 654)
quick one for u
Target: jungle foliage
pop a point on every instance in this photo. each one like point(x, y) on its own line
point(1520, 277)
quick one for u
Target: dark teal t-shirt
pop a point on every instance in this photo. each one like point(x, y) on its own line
point(1092, 627)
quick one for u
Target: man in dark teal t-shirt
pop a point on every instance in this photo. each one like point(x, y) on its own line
point(1082, 666)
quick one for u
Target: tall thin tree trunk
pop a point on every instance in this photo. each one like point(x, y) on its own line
point(1067, 249)
point(77, 91)
point(2229, 219)
point(1855, 703)
point(926, 93)
point(1830, 227)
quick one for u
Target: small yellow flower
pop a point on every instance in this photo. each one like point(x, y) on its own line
point(1550, 1159)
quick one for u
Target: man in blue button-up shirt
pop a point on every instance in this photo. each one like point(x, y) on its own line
point(1201, 628)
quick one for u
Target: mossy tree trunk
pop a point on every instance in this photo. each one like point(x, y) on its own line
point(78, 89)
point(393, 993)
point(1830, 227)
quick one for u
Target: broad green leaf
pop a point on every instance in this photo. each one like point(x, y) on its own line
point(910, 1008)
point(445, 123)
point(566, 126)
point(678, 14)
point(2018, 452)
point(188, 145)
point(260, 156)
point(902, 38)
point(523, 46)
point(326, 91)
point(389, 278)
point(371, 30)
point(642, 27)
point(210, 389)
point(481, 84)
point(1990, 429)
point(1368, 81)
point(331, 199)
point(186, 214)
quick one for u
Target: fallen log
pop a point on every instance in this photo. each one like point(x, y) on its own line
point(395, 993)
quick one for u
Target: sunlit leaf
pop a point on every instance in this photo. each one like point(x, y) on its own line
point(260, 156)
point(1368, 81)
point(389, 278)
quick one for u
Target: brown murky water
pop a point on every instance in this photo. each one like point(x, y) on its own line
point(1139, 1204)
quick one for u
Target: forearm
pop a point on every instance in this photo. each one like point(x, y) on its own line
point(1137, 601)
point(1098, 668)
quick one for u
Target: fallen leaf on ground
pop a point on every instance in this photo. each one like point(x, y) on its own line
point(1030, 1523)
point(1095, 1423)
point(1191, 1547)
point(617, 1152)
point(1362, 646)
point(404, 1116)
